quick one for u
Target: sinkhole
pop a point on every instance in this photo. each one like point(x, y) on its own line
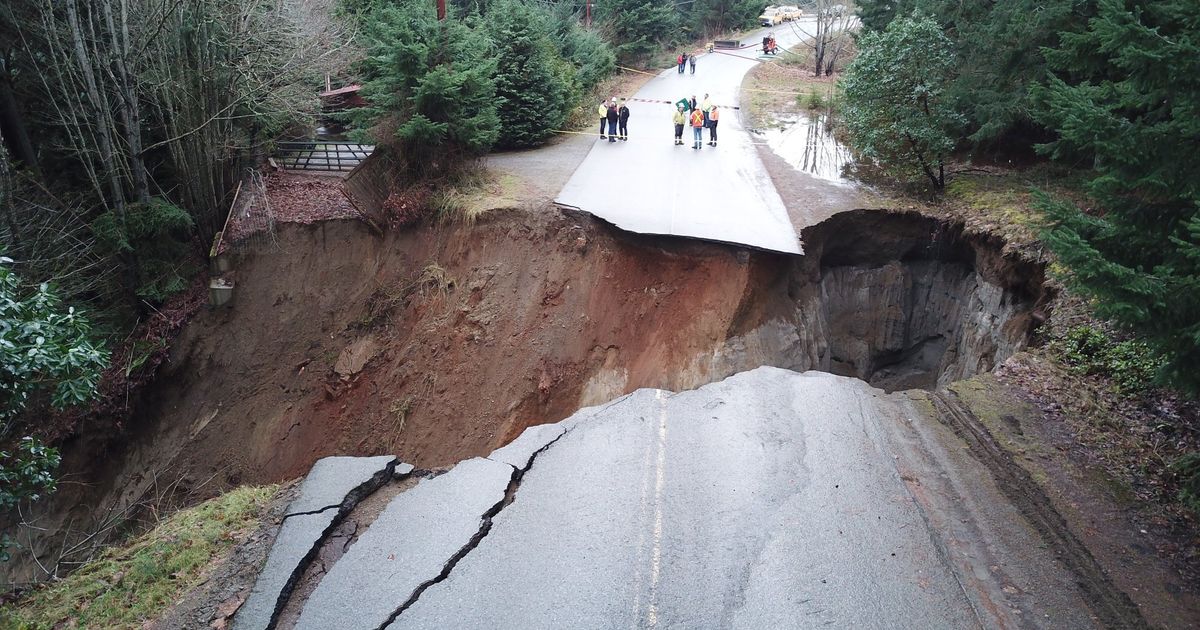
point(440, 343)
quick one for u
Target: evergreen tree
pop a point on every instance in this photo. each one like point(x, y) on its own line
point(591, 55)
point(895, 107)
point(1125, 97)
point(639, 27)
point(877, 14)
point(712, 17)
point(534, 86)
point(432, 82)
point(999, 50)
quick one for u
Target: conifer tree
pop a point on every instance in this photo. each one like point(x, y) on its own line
point(639, 27)
point(1125, 98)
point(432, 82)
point(534, 86)
point(713, 17)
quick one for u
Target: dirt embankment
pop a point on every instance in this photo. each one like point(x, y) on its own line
point(440, 344)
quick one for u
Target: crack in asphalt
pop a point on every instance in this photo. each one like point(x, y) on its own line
point(311, 512)
point(485, 527)
point(353, 498)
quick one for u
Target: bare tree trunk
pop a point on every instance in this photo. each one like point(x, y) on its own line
point(819, 38)
point(127, 90)
point(840, 30)
point(98, 106)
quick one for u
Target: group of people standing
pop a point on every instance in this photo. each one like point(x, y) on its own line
point(616, 117)
point(685, 59)
point(698, 116)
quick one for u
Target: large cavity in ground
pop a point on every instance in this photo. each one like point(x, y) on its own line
point(442, 343)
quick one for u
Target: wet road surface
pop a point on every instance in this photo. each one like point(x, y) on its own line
point(771, 499)
point(649, 185)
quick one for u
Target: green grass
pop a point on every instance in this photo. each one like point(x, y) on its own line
point(128, 586)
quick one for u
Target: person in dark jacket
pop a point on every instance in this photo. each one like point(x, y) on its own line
point(714, 117)
point(623, 121)
point(692, 104)
point(612, 117)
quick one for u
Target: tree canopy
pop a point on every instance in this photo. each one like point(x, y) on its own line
point(998, 47)
point(895, 106)
point(431, 82)
point(1124, 97)
point(535, 88)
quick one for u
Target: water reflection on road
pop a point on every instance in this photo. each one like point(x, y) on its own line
point(808, 144)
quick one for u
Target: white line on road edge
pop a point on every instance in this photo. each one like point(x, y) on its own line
point(659, 481)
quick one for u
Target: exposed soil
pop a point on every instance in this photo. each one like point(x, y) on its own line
point(439, 344)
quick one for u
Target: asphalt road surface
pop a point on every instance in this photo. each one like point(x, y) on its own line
point(649, 185)
point(769, 500)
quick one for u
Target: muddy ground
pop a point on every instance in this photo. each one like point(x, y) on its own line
point(443, 343)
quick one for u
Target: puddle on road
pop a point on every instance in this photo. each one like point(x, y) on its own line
point(808, 144)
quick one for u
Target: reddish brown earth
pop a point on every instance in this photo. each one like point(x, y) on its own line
point(434, 344)
point(362, 345)
point(441, 343)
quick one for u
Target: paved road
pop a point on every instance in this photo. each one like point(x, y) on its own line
point(651, 186)
point(769, 500)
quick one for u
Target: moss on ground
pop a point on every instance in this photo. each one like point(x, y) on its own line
point(127, 586)
point(1004, 415)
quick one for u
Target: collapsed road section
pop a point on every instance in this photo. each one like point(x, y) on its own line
point(769, 499)
point(443, 343)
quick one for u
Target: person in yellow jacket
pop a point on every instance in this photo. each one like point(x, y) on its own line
point(698, 128)
point(706, 105)
point(680, 119)
point(603, 111)
point(714, 116)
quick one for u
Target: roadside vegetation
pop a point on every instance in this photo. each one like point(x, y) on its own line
point(131, 585)
point(1100, 98)
point(126, 127)
point(1061, 127)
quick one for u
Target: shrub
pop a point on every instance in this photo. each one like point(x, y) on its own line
point(1131, 365)
point(1187, 468)
point(27, 471)
point(814, 100)
point(45, 350)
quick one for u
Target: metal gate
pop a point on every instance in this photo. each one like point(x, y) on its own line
point(321, 156)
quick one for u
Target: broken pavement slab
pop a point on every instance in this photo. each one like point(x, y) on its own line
point(408, 547)
point(770, 499)
point(331, 489)
point(520, 451)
